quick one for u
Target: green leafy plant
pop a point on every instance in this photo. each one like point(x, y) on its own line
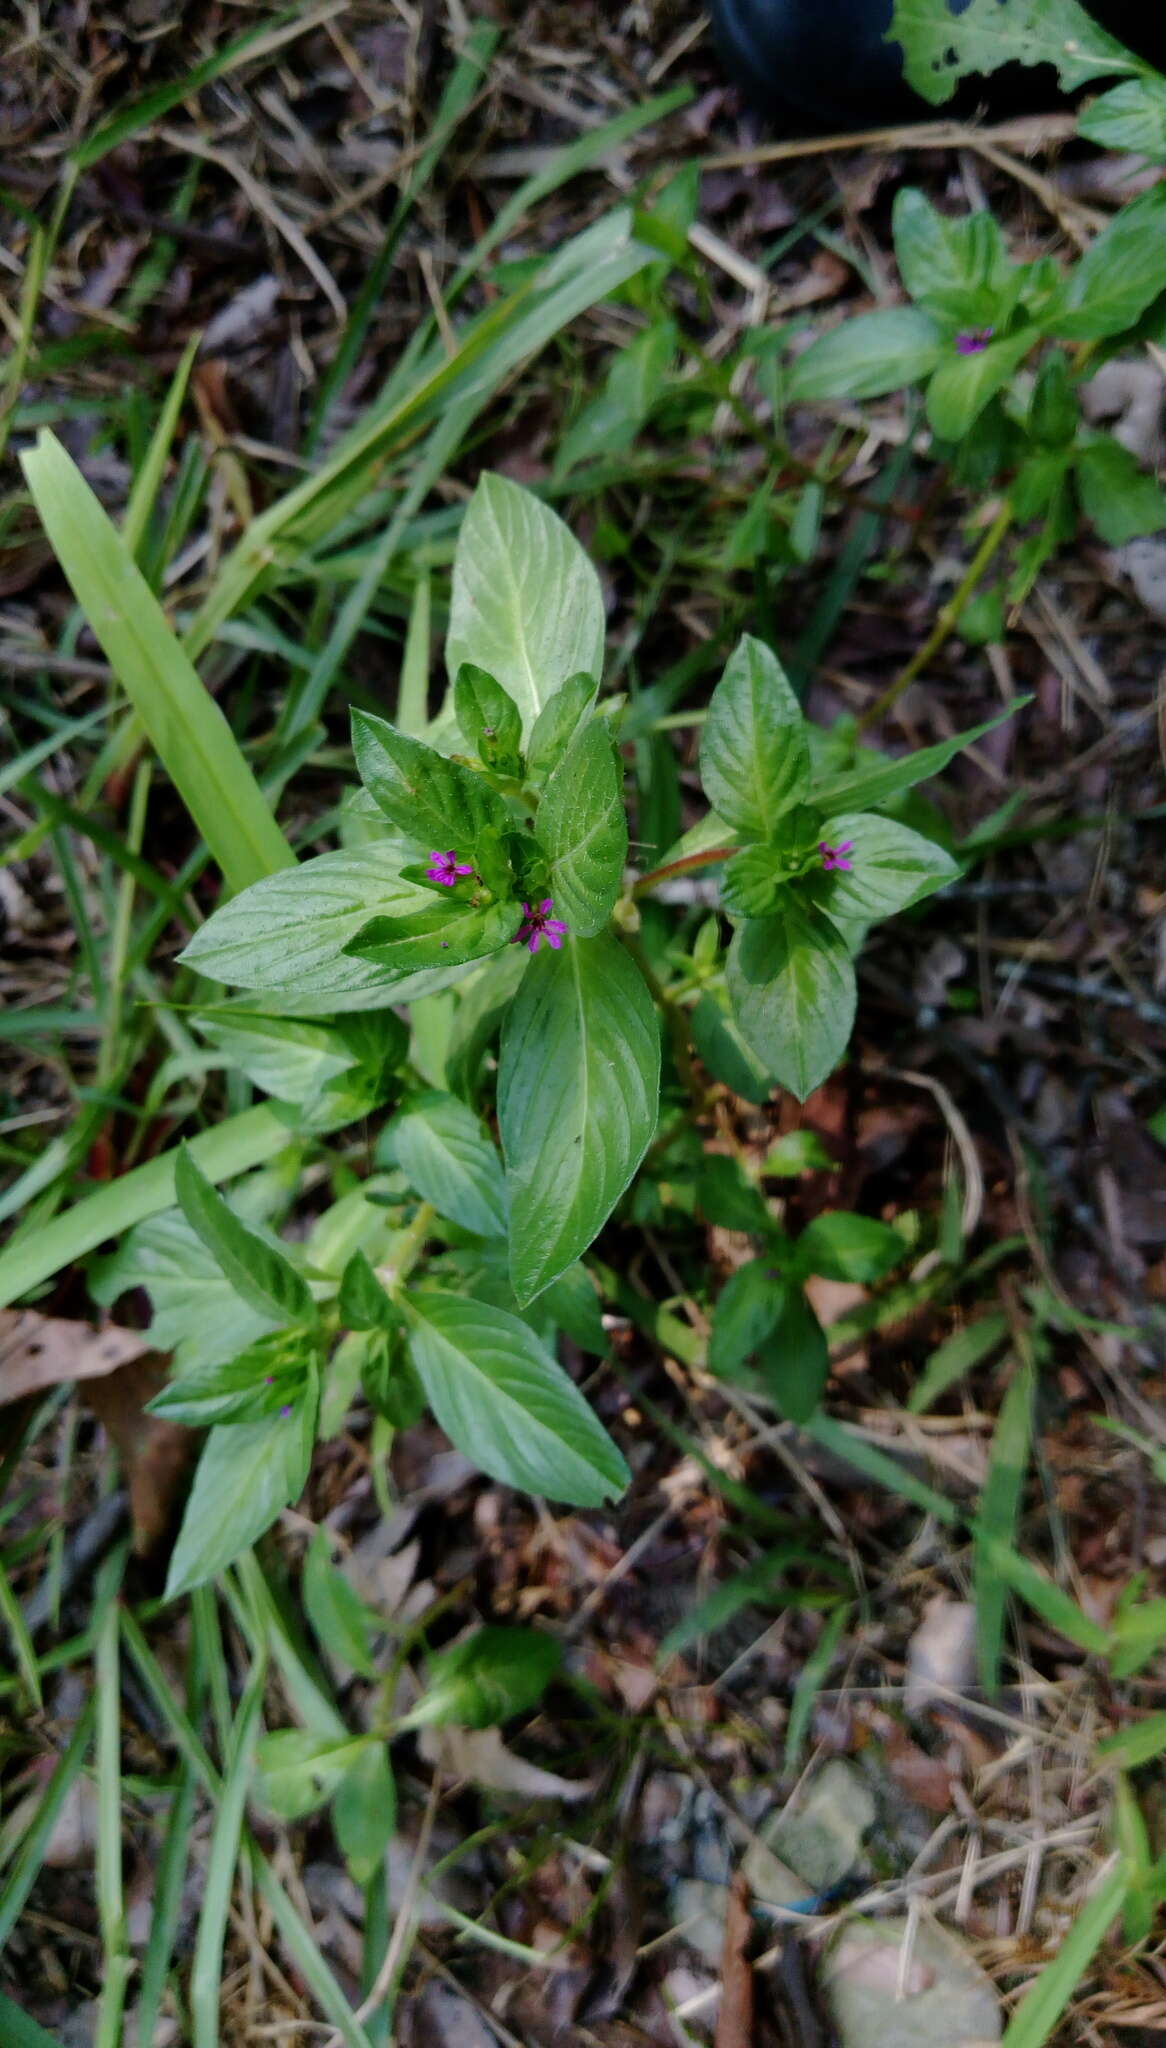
point(485, 873)
point(1003, 350)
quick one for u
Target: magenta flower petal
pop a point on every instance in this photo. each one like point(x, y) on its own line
point(539, 924)
point(446, 868)
point(974, 342)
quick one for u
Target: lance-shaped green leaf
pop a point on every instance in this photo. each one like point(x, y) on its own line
point(795, 1363)
point(955, 268)
point(869, 355)
point(288, 933)
point(489, 718)
point(1132, 117)
point(583, 831)
point(747, 1312)
point(444, 1153)
point(247, 1473)
point(578, 1096)
point(962, 386)
point(502, 1399)
point(556, 725)
point(890, 867)
point(440, 935)
point(841, 1246)
point(1121, 273)
point(259, 1274)
point(754, 754)
point(486, 1678)
point(875, 782)
point(526, 603)
point(423, 793)
point(791, 983)
point(270, 1375)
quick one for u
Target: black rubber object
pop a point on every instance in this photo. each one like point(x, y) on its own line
point(823, 64)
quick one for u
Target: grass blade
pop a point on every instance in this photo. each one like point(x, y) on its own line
point(206, 1974)
point(26, 1868)
point(1137, 1744)
point(233, 1147)
point(21, 1640)
point(877, 1465)
point(116, 1958)
point(18, 2031)
point(256, 42)
point(1043, 1595)
point(998, 1516)
point(809, 1680)
point(149, 477)
point(297, 1939)
point(186, 727)
point(1036, 2017)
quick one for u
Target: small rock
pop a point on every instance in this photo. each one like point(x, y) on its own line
point(941, 1654)
point(947, 2000)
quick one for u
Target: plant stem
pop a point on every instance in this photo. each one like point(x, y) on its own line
point(946, 619)
point(680, 867)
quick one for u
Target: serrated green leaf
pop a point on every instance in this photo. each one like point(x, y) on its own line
point(754, 753)
point(526, 603)
point(423, 793)
point(444, 1153)
point(868, 355)
point(287, 935)
point(363, 1302)
point(439, 935)
point(268, 1376)
point(578, 1098)
point(583, 831)
point(503, 1400)
point(486, 1679)
point(489, 718)
point(556, 725)
point(791, 983)
point(259, 1274)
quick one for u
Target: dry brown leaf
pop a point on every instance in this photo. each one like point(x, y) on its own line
point(156, 1455)
point(37, 1352)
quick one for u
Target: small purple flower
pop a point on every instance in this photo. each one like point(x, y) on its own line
point(835, 856)
point(285, 1411)
point(974, 342)
point(539, 924)
point(446, 869)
